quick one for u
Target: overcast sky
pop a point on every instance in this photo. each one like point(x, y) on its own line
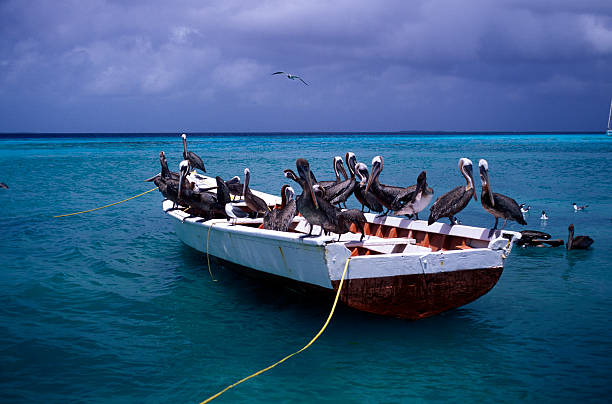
point(198, 66)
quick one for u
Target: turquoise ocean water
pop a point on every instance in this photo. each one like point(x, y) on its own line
point(111, 307)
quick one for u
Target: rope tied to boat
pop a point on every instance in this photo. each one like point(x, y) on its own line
point(207, 255)
point(106, 206)
point(331, 313)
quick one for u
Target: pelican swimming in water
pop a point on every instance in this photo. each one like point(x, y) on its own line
point(194, 160)
point(578, 242)
point(291, 76)
point(415, 201)
point(254, 203)
point(497, 204)
point(367, 200)
point(281, 217)
point(455, 200)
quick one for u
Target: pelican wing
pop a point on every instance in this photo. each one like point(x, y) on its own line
point(449, 204)
point(509, 207)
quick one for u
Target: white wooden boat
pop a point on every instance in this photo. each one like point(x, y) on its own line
point(402, 268)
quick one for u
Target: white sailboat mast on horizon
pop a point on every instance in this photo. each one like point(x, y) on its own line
point(609, 131)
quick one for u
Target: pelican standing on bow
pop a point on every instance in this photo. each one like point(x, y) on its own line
point(497, 204)
point(194, 160)
point(455, 200)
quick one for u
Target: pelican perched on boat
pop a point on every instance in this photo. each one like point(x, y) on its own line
point(578, 242)
point(234, 186)
point(338, 169)
point(385, 194)
point(281, 217)
point(455, 200)
point(254, 203)
point(307, 203)
point(291, 76)
point(336, 220)
point(415, 201)
point(183, 182)
point(497, 204)
point(366, 199)
point(194, 160)
point(339, 193)
point(232, 210)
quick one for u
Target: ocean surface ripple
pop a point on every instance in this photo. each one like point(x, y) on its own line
point(111, 306)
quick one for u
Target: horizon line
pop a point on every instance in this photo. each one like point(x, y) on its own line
point(263, 133)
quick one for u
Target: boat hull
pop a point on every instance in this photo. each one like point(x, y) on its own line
point(415, 283)
point(418, 296)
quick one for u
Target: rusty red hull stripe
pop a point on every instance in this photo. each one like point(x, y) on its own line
point(418, 296)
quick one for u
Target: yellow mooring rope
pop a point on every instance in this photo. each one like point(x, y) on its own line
point(331, 313)
point(106, 206)
point(207, 256)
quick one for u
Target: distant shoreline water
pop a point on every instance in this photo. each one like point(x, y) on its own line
point(35, 135)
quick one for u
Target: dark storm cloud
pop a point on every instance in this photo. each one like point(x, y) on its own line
point(392, 65)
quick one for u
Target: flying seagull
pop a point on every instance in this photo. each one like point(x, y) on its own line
point(291, 76)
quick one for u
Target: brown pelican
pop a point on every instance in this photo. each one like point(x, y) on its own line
point(336, 220)
point(497, 204)
point(455, 200)
point(307, 201)
point(165, 171)
point(578, 242)
point(234, 186)
point(3, 185)
point(290, 76)
point(280, 218)
point(385, 194)
point(535, 238)
point(338, 169)
point(368, 200)
point(184, 186)
point(253, 202)
point(205, 204)
point(194, 160)
point(339, 193)
point(346, 218)
point(417, 200)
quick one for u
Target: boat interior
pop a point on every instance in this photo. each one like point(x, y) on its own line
point(383, 238)
point(402, 236)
